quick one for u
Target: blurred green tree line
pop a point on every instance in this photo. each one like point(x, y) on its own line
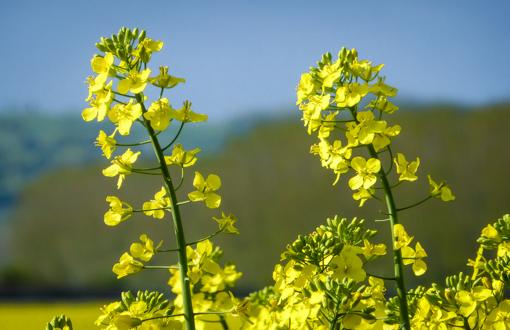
point(56, 235)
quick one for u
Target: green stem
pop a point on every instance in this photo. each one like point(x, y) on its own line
point(397, 254)
point(178, 229)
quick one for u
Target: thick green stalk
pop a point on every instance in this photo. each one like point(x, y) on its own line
point(398, 265)
point(178, 229)
point(397, 254)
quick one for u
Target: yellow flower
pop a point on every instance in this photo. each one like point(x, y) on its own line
point(499, 317)
point(127, 265)
point(155, 207)
point(370, 130)
point(312, 111)
point(159, 114)
point(97, 84)
point(366, 170)
point(99, 101)
point(350, 95)
point(145, 49)
point(164, 80)
point(348, 264)
point(382, 89)
point(402, 238)
point(117, 212)
point(333, 156)
point(185, 114)
point(365, 70)
point(107, 143)
point(182, 157)
point(368, 127)
point(143, 250)
point(124, 115)
point(305, 88)
point(441, 190)
point(206, 190)
point(468, 300)
point(327, 125)
point(383, 104)
point(102, 64)
point(121, 166)
point(227, 223)
point(329, 74)
point(406, 170)
point(415, 258)
point(135, 82)
point(363, 195)
point(373, 250)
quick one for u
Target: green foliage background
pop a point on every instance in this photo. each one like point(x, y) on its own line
point(277, 190)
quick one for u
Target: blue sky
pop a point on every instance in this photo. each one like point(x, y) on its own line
point(245, 56)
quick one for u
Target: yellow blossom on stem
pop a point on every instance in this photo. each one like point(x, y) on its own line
point(181, 157)
point(164, 80)
point(329, 74)
point(206, 190)
point(135, 82)
point(441, 191)
point(415, 257)
point(350, 95)
point(143, 250)
point(363, 195)
point(159, 114)
point(305, 87)
point(124, 115)
point(118, 212)
point(99, 101)
point(102, 64)
point(121, 166)
point(468, 300)
point(348, 264)
point(97, 84)
point(145, 49)
point(499, 317)
point(373, 250)
point(156, 207)
point(366, 172)
point(402, 238)
point(227, 223)
point(365, 70)
point(382, 89)
point(312, 111)
point(383, 104)
point(127, 265)
point(186, 115)
point(407, 170)
point(107, 143)
point(327, 125)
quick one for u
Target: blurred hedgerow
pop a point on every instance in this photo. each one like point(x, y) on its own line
point(321, 281)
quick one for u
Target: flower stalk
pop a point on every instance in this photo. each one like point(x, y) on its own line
point(176, 220)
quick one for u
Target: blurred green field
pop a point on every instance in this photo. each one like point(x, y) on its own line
point(34, 316)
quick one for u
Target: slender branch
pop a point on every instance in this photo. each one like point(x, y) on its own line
point(415, 204)
point(125, 95)
point(156, 209)
point(205, 238)
point(160, 267)
point(382, 277)
point(175, 137)
point(182, 180)
point(136, 143)
point(169, 250)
